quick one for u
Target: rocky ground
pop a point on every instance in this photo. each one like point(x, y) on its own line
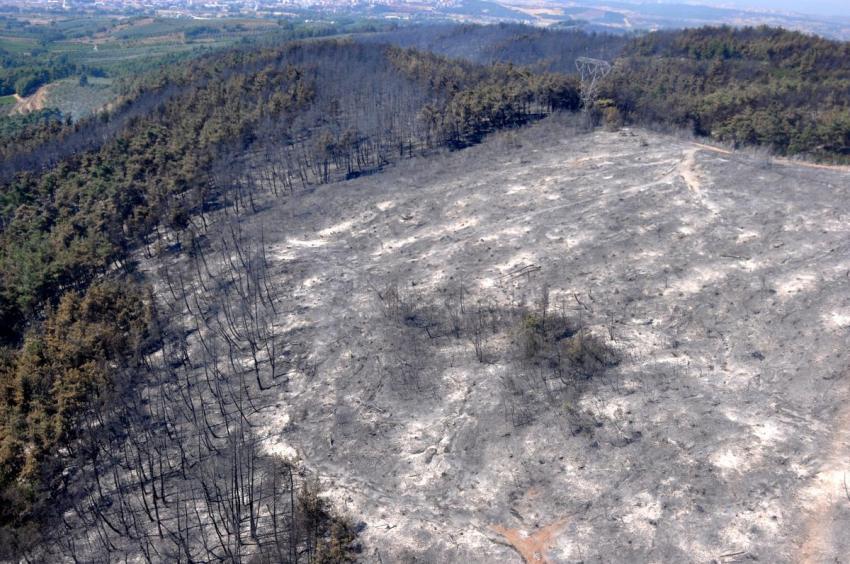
point(722, 280)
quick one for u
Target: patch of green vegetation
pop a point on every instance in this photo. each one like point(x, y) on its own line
point(57, 48)
point(16, 128)
point(7, 100)
point(84, 27)
point(783, 90)
point(16, 45)
point(193, 28)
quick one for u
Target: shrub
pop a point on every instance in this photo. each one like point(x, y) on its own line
point(556, 343)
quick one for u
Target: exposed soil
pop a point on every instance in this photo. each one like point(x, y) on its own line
point(32, 103)
point(534, 546)
point(825, 535)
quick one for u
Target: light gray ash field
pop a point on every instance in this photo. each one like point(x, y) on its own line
point(710, 424)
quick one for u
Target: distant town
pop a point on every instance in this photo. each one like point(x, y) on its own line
point(221, 8)
point(589, 15)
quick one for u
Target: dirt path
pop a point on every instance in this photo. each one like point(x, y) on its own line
point(784, 161)
point(712, 148)
point(790, 162)
point(687, 170)
point(827, 496)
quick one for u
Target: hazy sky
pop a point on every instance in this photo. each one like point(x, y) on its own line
point(820, 7)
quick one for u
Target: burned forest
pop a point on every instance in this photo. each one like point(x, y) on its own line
point(433, 293)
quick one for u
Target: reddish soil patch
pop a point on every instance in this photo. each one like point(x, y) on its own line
point(532, 547)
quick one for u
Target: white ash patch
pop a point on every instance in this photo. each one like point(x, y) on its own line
point(724, 299)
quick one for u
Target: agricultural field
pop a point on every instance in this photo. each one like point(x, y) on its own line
point(78, 100)
point(54, 52)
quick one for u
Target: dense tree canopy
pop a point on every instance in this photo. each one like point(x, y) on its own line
point(754, 86)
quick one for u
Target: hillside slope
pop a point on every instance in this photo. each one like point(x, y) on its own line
point(717, 281)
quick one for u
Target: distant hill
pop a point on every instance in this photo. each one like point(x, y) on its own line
point(553, 50)
point(755, 86)
point(590, 15)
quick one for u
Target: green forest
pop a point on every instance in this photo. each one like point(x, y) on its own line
point(783, 90)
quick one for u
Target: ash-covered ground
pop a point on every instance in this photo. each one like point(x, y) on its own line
point(722, 281)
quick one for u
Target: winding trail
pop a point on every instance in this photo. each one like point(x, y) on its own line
point(712, 148)
point(784, 161)
point(688, 169)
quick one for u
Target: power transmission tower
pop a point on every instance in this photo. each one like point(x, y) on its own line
point(591, 72)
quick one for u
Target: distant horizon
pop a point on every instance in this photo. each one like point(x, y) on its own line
point(819, 8)
point(815, 8)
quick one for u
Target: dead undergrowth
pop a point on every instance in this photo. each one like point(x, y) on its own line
point(545, 353)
